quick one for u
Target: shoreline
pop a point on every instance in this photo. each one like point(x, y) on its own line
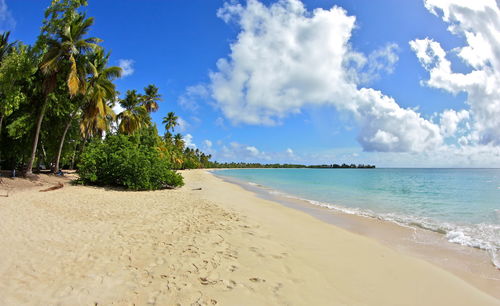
point(470, 264)
point(217, 245)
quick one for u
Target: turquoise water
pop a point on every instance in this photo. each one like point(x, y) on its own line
point(463, 204)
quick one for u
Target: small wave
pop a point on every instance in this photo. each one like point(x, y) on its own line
point(481, 236)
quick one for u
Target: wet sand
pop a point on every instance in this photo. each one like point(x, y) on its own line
point(219, 245)
point(471, 264)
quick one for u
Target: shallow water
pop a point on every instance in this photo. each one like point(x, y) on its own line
point(463, 204)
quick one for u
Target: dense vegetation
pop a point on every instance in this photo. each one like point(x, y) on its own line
point(135, 162)
point(56, 110)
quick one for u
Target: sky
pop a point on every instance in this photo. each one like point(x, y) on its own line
point(412, 83)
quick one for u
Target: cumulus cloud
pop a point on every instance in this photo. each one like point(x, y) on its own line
point(127, 66)
point(7, 21)
point(286, 58)
point(450, 119)
point(479, 23)
point(188, 141)
point(240, 152)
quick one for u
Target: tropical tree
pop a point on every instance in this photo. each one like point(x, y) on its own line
point(97, 113)
point(151, 98)
point(5, 50)
point(170, 121)
point(179, 142)
point(65, 58)
point(134, 116)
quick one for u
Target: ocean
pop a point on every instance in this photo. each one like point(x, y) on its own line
point(462, 204)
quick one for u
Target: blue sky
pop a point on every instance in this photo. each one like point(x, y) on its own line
point(304, 82)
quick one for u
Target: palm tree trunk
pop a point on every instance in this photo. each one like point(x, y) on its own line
point(41, 114)
point(61, 144)
point(1, 121)
point(72, 166)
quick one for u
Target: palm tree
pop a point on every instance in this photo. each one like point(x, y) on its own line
point(168, 138)
point(170, 121)
point(65, 50)
point(5, 49)
point(97, 113)
point(65, 56)
point(101, 91)
point(151, 98)
point(178, 141)
point(135, 114)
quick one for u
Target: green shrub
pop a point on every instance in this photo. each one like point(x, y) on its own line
point(133, 162)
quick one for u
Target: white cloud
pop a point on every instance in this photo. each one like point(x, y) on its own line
point(117, 108)
point(286, 58)
point(240, 152)
point(188, 141)
point(364, 70)
point(450, 120)
point(237, 152)
point(190, 99)
point(478, 22)
point(207, 143)
point(182, 125)
point(219, 122)
point(7, 21)
point(127, 66)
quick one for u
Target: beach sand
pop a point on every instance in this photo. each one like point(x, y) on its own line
point(219, 245)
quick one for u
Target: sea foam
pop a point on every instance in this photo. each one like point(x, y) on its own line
point(482, 236)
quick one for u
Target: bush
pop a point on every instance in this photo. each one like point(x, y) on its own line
point(133, 162)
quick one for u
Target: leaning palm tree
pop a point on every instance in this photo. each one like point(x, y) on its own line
point(135, 114)
point(101, 91)
point(64, 57)
point(151, 98)
point(170, 121)
point(97, 113)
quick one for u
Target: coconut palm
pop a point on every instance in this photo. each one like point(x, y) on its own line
point(135, 114)
point(168, 137)
point(170, 121)
point(65, 50)
point(151, 98)
point(178, 141)
point(97, 112)
point(66, 57)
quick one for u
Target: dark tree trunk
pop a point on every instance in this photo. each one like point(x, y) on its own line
point(61, 145)
point(41, 114)
point(1, 121)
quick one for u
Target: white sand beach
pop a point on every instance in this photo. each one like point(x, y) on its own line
point(219, 245)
